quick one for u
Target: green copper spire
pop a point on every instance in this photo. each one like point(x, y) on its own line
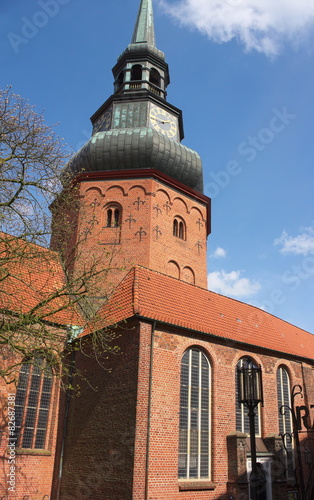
point(144, 28)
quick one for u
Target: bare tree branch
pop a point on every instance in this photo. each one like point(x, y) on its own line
point(40, 295)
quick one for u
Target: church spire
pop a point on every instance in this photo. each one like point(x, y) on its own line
point(144, 28)
point(142, 67)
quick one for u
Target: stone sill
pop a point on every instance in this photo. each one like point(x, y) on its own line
point(31, 451)
point(196, 485)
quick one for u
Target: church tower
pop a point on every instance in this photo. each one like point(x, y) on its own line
point(139, 190)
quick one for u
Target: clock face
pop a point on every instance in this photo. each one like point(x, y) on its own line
point(163, 122)
point(103, 122)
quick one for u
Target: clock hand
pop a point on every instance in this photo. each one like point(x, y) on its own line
point(161, 121)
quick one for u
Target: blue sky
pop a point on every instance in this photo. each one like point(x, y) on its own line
point(242, 72)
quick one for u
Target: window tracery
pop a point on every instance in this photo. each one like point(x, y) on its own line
point(285, 421)
point(32, 404)
point(195, 424)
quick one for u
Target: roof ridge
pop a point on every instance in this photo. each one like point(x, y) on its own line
point(15, 238)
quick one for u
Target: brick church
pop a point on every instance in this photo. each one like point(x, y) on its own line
point(161, 421)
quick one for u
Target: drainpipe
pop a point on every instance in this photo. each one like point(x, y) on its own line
point(149, 406)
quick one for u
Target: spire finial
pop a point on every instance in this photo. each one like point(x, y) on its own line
point(144, 28)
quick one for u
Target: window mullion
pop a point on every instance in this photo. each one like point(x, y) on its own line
point(199, 420)
point(282, 397)
point(189, 415)
point(23, 419)
point(38, 409)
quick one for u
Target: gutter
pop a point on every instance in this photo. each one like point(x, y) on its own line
point(227, 339)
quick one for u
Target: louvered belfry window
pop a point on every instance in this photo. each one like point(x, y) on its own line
point(194, 429)
point(242, 419)
point(285, 421)
point(32, 404)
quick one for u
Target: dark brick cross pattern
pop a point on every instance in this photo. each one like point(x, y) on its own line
point(130, 220)
point(158, 232)
point(158, 209)
point(138, 202)
point(200, 224)
point(95, 203)
point(141, 233)
point(93, 220)
point(167, 207)
point(199, 246)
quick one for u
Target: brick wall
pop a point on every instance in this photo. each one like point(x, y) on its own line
point(169, 347)
point(108, 448)
point(33, 469)
point(145, 236)
point(102, 443)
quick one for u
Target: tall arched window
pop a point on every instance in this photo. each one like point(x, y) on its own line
point(179, 229)
point(32, 404)
point(136, 72)
point(242, 419)
point(285, 421)
point(194, 427)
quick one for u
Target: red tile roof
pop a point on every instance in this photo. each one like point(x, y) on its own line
point(30, 276)
point(162, 298)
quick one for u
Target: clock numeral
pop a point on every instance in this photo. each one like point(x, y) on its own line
point(163, 122)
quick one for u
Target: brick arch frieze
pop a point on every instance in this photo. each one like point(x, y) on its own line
point(173, 269)
point(138, 186)
point(198, 214)
point(177, 202)
point(90, 189)
point(164, 192)
point(188, 275)
point(118, 187)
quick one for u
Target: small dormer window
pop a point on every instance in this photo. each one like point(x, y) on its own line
point(179, 229)
point(136, 72)
point(154, 77)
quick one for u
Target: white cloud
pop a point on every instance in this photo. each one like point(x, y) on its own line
point(219, 253)
point(232, 284)
point(261, 25)
point(302, 244)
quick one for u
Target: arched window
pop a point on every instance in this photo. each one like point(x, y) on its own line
point(285, 422)
point(120, 79)
point(32, 404)
point(179, 229)
point(136, 72)
point(154, 77)
point(242, 419)
point(113, 216)
point(194, 427)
